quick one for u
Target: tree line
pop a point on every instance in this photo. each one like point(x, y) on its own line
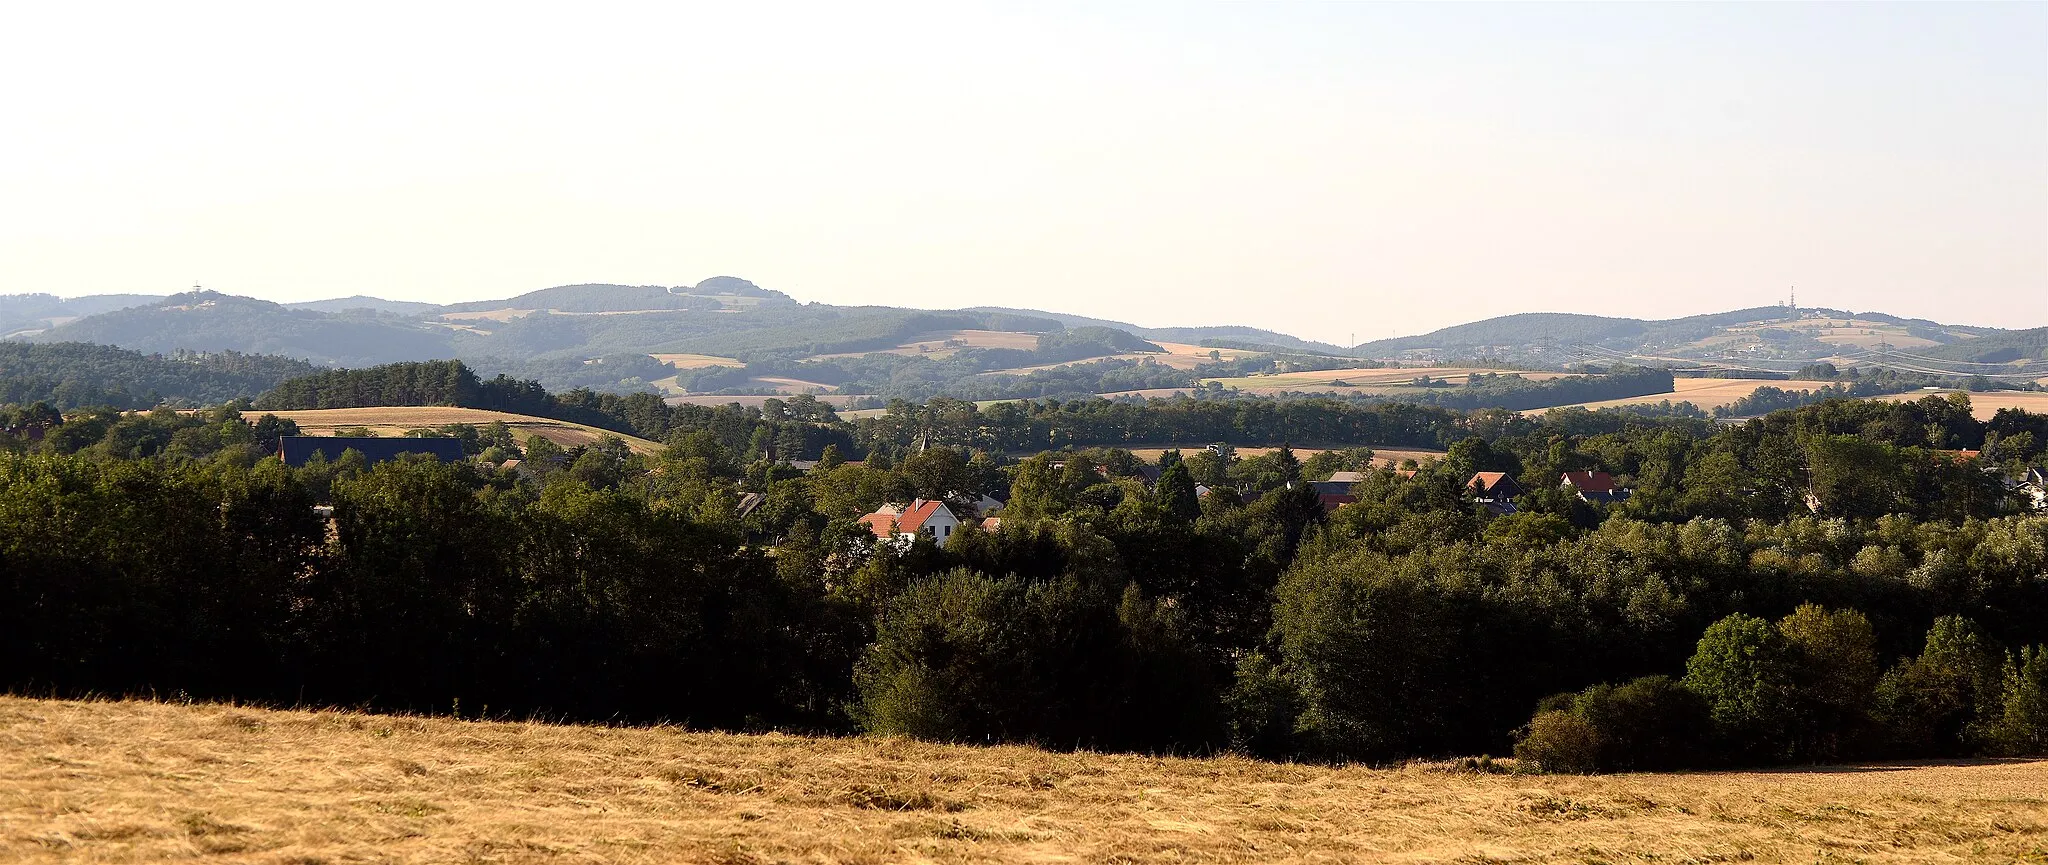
point(1832, 582)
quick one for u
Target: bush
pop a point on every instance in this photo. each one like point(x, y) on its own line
point(1648, 724)
point(1558, 741)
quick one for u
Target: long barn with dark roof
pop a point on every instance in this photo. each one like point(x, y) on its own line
point(296, 450)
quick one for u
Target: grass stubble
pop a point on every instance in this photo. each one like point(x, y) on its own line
point(146, 782)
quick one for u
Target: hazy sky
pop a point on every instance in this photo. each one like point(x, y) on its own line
point(1321, 169)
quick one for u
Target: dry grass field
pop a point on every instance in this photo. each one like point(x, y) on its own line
point(1707, 393)
point(395, 420)
point(695, 361)
point(115, 782)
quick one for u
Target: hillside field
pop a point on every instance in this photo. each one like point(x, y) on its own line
point(1707, 393)
point(148, 782)
point(395, 420)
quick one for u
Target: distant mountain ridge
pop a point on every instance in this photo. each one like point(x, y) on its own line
point(561, 333)
point(1193, 335)
point(209, 321)
point(364, 301)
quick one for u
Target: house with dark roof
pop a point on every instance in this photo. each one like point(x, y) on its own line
point(904, 523)
point(1336, 492)
point(297, 450)
point(1596, 487)
point(1496, 491)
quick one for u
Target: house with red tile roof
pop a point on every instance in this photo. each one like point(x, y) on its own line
point(926, 517)
point(1592, 486)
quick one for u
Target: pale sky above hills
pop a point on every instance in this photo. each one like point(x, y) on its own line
point(1320, 169)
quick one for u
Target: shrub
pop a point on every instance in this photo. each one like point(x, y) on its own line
point(1559, 741)
point(1648, 724)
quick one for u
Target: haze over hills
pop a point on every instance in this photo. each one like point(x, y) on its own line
point(726, 335)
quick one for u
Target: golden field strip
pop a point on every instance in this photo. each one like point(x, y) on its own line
point(395, 420)
point(1707, 393)
point(119, 782)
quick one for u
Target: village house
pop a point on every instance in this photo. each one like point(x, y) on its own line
point(2032, 489)
point(1496, 491)
point(1595, 487)
point(1336, 492)
point(905, 523)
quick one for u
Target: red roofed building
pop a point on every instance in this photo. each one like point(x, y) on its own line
point(922, 517)
point(1592, 486)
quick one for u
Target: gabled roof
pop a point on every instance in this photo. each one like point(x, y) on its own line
point(915, 516)
point(1485, 481)
point(1589, 482)
point(883, 525)
point(1346, 477)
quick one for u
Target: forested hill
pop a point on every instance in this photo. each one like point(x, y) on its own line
point(1564, 327)
point(20, 313)
point(606, 337)
point(1201, 335)
point(76, 375)
point(211, 321)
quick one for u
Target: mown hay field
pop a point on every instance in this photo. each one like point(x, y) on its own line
point(395, 420)
point(695, 361)
point(148, 782)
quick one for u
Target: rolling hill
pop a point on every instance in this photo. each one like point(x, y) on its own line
point(363, 301)
point(210, 321)
point(612, 337)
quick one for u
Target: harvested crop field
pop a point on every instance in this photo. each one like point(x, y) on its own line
point(1707, 393)
point(395, 420)
point(149, 782)
point(695, 361)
